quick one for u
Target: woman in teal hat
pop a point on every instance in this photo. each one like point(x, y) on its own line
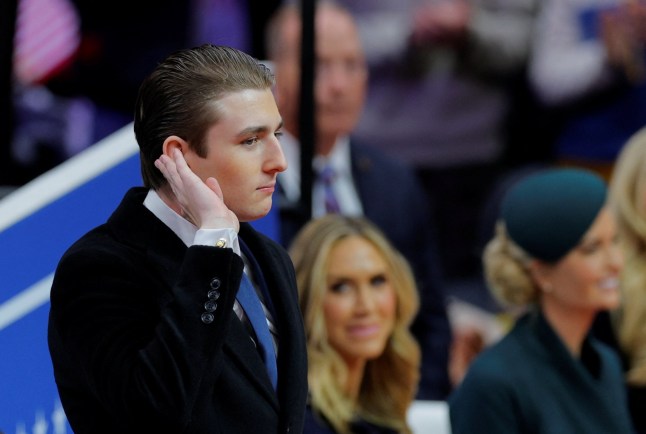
point(556, 253)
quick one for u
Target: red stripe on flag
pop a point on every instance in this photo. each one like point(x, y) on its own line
point(47, 36)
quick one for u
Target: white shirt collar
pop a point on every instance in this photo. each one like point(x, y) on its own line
point(290, 180)
point(184, 229)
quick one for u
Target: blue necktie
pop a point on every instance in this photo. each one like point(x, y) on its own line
point(326, 177)
point(248, 299)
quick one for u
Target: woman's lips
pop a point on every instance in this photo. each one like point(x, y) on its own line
point(364, 331)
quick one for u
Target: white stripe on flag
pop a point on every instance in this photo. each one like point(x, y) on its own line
point(25, 302)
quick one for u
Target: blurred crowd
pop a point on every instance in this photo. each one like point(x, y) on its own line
point(464, 92)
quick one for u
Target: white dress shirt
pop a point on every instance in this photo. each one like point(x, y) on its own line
point(343, 186)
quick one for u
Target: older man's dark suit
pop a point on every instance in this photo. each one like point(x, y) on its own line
point(131, 352)
point(392, 198)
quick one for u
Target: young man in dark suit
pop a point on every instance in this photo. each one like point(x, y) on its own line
point(175, 315)
point(365, 181)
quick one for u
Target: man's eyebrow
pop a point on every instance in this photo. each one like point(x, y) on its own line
point(253, 130)
point(258, 129)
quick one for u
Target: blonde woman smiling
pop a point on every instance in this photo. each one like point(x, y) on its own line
point(358, 298)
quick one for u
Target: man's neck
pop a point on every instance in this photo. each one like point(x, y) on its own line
point(325, 144)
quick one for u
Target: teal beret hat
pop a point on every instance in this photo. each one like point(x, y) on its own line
point(548, 212)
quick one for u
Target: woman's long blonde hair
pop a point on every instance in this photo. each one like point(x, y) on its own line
point(628, 198)
point(390, 381)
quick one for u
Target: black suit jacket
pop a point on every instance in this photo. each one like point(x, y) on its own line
point(131, 352)
point(393, 199)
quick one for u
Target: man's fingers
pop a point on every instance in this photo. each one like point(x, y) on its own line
point(179, 160)
point(162, 164)
point(213, 184)
point(168, 168)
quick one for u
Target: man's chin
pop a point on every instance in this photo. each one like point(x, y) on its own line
point(256, 214)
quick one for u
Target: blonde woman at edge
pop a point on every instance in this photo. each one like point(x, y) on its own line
point(556, 252)
point(358, 298)
point(628, 197)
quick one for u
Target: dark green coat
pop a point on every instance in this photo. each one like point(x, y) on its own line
point(529, 383)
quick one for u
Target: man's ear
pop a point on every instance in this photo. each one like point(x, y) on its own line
point(173, 142)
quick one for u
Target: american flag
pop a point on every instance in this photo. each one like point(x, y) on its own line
point(47, 37)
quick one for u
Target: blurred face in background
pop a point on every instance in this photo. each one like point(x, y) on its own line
point(587, 279)
point(360, 303)
point(340, 78)
point(341, 73)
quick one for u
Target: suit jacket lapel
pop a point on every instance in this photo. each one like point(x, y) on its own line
point(363, 175)
point(240, 348)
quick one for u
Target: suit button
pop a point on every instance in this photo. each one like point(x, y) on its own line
point(210, 306)
point(215, 283)
point(213, 294)
point(207, 317)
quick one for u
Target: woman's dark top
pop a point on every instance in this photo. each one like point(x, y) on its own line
point(529, 383)
point(315, 423)
point(603, 330)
